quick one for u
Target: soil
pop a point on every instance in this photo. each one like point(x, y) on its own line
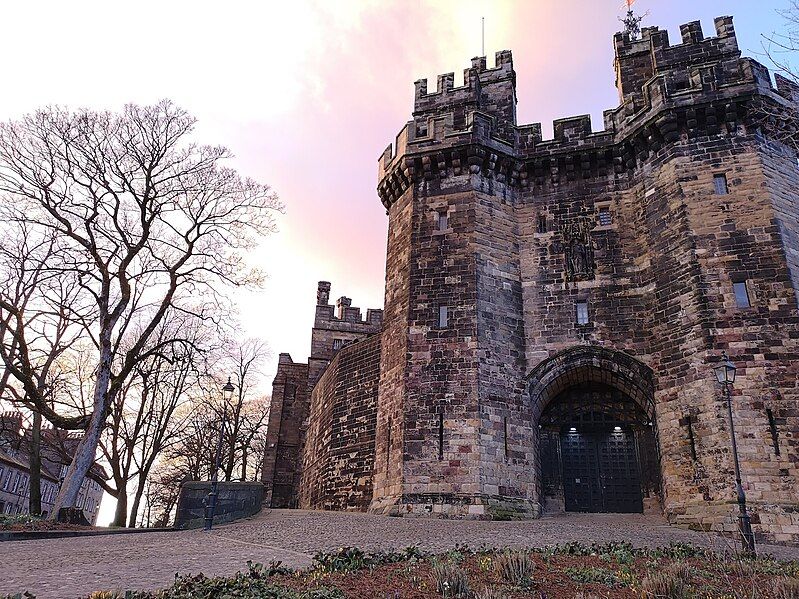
point(555, 577)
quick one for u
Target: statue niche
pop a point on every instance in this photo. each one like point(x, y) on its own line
point(578, 251)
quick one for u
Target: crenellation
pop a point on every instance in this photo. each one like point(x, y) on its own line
point(691, 32)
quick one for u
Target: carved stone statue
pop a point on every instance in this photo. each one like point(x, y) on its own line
point(578, 249)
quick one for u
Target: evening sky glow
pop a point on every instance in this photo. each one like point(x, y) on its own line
point(308, 93)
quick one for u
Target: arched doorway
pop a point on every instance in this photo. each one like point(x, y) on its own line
point(597, 448)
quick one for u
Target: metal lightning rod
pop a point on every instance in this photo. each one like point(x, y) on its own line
point(483, 35)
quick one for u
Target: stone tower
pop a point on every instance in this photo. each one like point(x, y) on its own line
point(554, 308)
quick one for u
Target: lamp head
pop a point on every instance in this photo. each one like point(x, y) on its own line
point(228, 390)
point(725, 371)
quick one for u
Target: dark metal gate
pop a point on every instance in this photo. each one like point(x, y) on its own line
point(600, 470)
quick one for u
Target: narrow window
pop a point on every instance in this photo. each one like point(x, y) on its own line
point(775, 440)
point(506, 437)
point(720, 185)
point(605, 217)
point(442, 220)
point(441, 435)
point(691, 438)
point(582, 312)
point(542, 223)
point(443, 318)
point(741, 294)
point(338, 344)
point(688, 423)
point(388, 445)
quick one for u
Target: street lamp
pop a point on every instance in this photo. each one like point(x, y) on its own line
point(725, 374)
point(210, 504)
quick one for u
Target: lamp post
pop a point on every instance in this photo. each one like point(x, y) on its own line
point(210, 503)
point(725, 374)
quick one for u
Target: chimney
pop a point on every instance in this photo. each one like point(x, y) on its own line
point(323, 293)
point(342, 304)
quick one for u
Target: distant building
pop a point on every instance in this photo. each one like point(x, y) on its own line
point(57, 448)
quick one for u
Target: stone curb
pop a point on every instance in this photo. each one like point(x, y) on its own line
point(32, 535)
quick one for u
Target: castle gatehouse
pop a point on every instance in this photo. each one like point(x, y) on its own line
point(554, 308)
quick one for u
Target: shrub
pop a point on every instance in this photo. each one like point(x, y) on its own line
point(275, 568)
point(672, 583)
point(346, 559)
point(515, 567)
point(451, 581)
point(785, 588)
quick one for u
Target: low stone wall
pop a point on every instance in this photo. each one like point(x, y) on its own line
point(338, 457)
point(236, 500)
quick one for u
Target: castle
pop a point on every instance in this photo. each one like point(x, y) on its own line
point(554, 308)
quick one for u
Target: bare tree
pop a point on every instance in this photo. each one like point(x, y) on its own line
point(243, 417)
point(169, 384)
point(778, 115)
point(141, 222)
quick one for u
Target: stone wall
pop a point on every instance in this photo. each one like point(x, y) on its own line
point(288, 411)
point(334, 328)
point(338, 458)
point(235, 500)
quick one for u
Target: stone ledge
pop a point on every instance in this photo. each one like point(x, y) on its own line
point(456, 507)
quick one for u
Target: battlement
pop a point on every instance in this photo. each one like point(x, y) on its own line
point(637, 61)
point(475, 77)
point(492, 91)
point(662, 88)
point(343, 312)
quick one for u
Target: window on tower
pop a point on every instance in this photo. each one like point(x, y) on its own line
point(582, 312)
point(442, 220)
point(542, 223)
point(443, 317)
point(741, 294)
point(720, 184)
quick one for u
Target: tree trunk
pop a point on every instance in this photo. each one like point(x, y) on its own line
point(134, 511)
point(121, 513)
point(244, 463)
point(35, 464)
point(84, 456)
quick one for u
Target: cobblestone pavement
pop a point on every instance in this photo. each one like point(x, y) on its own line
point(74, 567)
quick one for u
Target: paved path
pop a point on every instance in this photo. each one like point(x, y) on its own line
point(73, 567)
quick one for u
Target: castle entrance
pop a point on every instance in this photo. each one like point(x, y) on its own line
point(597, 448)
point(591, 432)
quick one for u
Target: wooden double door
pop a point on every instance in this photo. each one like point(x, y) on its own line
point(601, 472)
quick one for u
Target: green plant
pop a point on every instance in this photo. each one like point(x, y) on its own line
point(621, 553)
point(12, 519)
point(516, 568)
point(451, 581)
point(785, 588)
point(346, 559)
point(275, 568)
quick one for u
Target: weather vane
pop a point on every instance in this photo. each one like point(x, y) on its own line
point(632, 22)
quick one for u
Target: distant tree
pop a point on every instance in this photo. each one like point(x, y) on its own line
point(136, 221)
point(781, 48)
point(245, 417)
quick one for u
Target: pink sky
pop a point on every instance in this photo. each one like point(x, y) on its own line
point(307, 94)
